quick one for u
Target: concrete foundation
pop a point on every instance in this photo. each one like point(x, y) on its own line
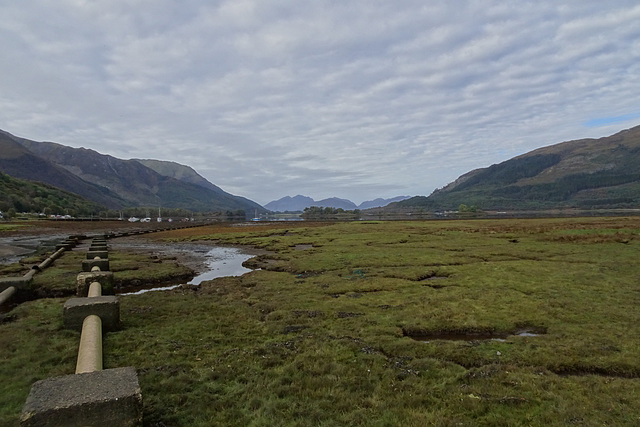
point(16, 282)
point(106, 307)
point(106, 398)
point(83, 280)
point(99, 254)
point(102, 263)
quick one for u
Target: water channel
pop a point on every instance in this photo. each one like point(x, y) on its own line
point(221, 262)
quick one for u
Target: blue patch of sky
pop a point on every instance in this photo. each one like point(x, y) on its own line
point(603, 121)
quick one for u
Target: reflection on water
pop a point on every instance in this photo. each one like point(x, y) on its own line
point(222, 262)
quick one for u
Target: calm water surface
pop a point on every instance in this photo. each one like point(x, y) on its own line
point(222, 262)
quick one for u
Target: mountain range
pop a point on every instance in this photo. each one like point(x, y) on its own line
point(583, 174)
point(299, 203)
point(115, 183)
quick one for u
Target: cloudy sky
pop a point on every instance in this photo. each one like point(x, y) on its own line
point(353, 98)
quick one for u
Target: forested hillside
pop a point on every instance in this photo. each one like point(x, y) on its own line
point(584, 174)
point(18, 195)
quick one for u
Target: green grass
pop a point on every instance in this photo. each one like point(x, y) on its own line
point(323, 336)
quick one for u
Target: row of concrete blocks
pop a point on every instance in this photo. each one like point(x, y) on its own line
point(91, 397)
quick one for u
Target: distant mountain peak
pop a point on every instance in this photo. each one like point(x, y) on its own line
point(299, 203)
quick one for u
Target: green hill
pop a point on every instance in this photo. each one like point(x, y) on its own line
point(18, 195)
point(112, 182)
point(583, 174)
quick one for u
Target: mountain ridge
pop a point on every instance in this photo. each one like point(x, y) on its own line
point(586, 173)
point(113, 182)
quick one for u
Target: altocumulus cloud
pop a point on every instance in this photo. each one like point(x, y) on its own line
point(356, 99)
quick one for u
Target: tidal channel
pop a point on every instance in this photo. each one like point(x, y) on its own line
point(221, 262)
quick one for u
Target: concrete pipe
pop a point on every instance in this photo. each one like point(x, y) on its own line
point(90, 350)
point(95, 289)
point(7, 294)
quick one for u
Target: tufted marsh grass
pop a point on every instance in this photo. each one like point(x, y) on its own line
point(486, 322)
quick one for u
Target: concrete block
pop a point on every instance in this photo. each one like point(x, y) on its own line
point(106, 398)
point(88, 264)
point(98, 248)
point(99, 254)
point(16, 282)
point(83, 281)
point(106, 307)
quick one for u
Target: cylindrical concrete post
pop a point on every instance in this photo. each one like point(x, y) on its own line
point(95, 268)
point(95, 289)
point(7, 294)
point(90, 351)
point(29, 274)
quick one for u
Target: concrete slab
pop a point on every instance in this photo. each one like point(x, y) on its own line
point(106, 398)
point(106, 307)
point(99, 254)
point(102, 263)
point(16, 282)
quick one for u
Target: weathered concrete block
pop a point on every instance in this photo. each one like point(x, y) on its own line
point(106, 307)
point(98, 248)
point(106, 398)
point(99, 254)
point(88, 264)
point(83, 281)
point(16, 282)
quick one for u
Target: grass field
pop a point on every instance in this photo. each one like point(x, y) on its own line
point(444, 323)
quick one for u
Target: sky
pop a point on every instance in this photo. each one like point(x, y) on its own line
point(355, 99)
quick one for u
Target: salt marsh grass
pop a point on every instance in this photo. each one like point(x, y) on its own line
point(377, 323)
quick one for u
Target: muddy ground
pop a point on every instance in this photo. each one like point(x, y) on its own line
point(44, 235)
point(38, 236)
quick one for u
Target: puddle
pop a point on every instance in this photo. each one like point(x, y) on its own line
point(222, 262)
point(480, 336)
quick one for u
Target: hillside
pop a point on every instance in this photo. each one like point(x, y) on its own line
point(19, 195)
point(586, 173)
point(179, 172)
point(18, 162)
point(114, 182)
